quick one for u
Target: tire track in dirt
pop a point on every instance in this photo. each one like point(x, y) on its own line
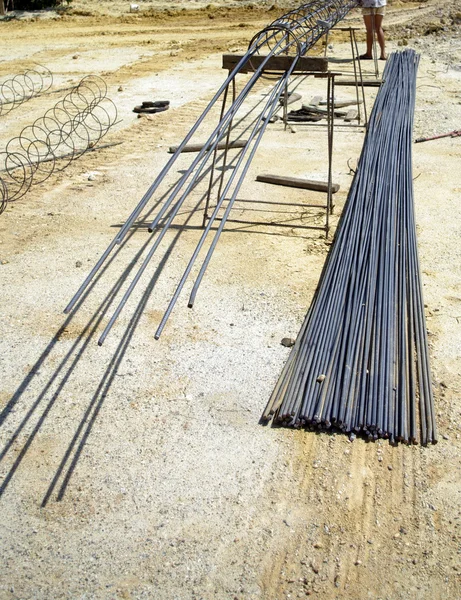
point(359, 526)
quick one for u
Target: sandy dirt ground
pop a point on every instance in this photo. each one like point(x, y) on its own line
point(138, 469)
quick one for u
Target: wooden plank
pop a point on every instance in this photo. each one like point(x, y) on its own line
point(342, 103)
point(296, 182)
point(292, 98)
point(276, 63)
point(198, 147)
point(345, 28)
point(352, 82)
point(316, 100)
point(328, 74)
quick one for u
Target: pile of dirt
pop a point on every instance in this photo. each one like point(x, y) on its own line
point(426, 19)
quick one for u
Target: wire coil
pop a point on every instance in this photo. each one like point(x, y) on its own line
point(66, 131)
point(24, 86)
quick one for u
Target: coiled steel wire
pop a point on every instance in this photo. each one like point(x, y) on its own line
point(360, 363)
point(292, 34)
point(66, 131)
point(24, 86)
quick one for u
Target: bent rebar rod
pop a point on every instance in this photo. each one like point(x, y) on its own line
point(151, 190)
point(259, 131)
point(292, 34)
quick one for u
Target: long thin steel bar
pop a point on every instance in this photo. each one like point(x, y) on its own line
point(154, 186)
point(164, 230)
point(159, 239)
point(361, 359)
point(264, 120)
point(295, 32)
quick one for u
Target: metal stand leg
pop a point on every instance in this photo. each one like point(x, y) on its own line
point(226, 149)
point(355, 60)
point(360, 77)
point(330, 122)
point(285, 106)
point(375, 52)
point(215, 154)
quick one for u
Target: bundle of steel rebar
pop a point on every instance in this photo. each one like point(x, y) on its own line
point(360, 363)
point(292, 34)
point(70, 128)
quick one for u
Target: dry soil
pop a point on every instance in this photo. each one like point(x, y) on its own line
point(138, 469)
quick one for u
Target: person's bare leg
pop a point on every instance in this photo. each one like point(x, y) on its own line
point(368, 19)
point(380, 35)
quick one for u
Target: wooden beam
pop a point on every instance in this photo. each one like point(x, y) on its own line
point(2, 7)
point(353, 83)
point(276, 63)
point(305, 184)
point(198, 147)
point(352, 115)
point(291, 99)
point(345, 28)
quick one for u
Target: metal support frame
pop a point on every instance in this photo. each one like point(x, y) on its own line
point(355, 51)
point(289, 38)
point(329, 207)
point(358, 73)
point(375, 52)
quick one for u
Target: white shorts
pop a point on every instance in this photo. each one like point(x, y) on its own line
point(374, 11)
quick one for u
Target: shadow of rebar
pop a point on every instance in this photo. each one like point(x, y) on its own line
point(64, 371)
point(76, 352)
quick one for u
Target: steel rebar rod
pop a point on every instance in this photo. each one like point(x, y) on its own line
point(292, 34)
point(361, 360)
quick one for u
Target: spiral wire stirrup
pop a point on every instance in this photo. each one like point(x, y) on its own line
point(66, 131)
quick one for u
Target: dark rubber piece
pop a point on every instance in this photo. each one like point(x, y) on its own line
point(305, 118)
point(150, 110)
point(155, 104)
point(303, 115)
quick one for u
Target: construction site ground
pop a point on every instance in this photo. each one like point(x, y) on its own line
point(139, 469)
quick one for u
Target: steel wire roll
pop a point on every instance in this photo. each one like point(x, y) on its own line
point(24, 86)
point(3, 196)
point(66, 131)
